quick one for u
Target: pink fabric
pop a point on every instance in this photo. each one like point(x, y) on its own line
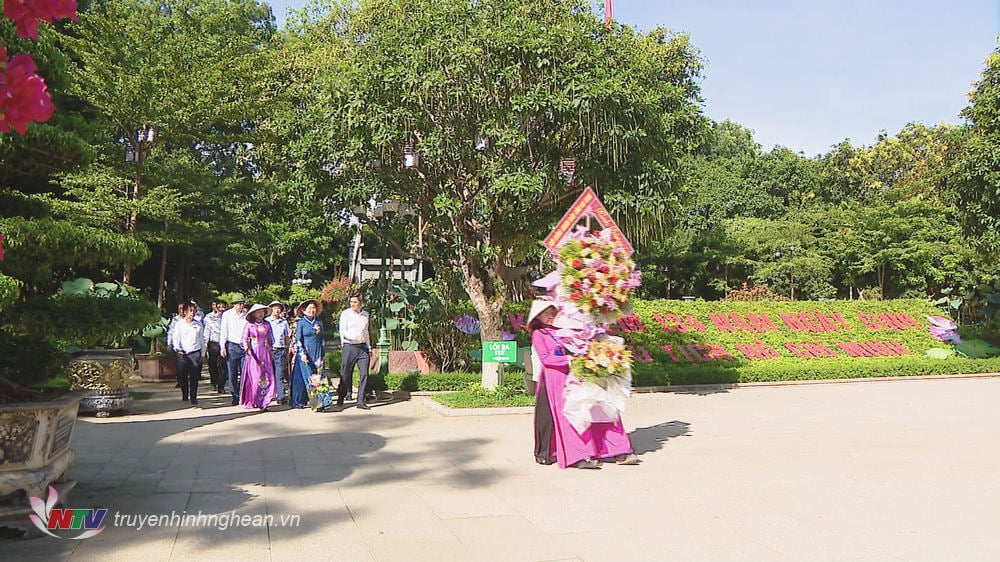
point(258, 364)
point(600, 440)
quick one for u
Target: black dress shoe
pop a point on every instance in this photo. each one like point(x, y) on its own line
point(364, 407)
point(194, 401)
point(235, 401)
point(543, 460)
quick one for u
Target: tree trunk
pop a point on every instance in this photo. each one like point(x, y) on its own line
point(488, 301)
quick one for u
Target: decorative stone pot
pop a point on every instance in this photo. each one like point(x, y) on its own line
point(157, 367)
point(105, 373)
point(34, 453)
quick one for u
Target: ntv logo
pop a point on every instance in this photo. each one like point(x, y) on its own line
point(48, 519)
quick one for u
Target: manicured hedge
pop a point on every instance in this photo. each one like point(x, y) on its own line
point(717, 359)
point(432, 382)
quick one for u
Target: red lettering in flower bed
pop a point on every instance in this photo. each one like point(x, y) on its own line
point(641, 354)
point(874, 349)
point(673, 322)
point(721, 322)
point(761, 323)
point(631, 323)
point(757, 350)
point(810, 350)
point(888, 321)
point(718, 353)
point(793, 322)
point(670, 351)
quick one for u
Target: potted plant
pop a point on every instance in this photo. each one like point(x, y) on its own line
point(95, 323)
point(156, 364)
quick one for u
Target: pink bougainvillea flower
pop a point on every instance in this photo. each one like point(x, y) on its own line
point(27, 15)
point(23, 95)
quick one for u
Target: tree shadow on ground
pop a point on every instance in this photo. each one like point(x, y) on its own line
point(264, 463)
point(652, 438)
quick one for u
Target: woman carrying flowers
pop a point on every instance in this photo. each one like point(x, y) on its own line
point(570, 448)
point(258, 384)
point(308, 354)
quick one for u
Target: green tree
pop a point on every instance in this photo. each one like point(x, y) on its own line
point(540, 81)
point(161, 77)
point(977, 180)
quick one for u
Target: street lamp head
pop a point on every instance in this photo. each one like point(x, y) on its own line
point(411, 158)
point(482, 143)
point(567, 169)
point(390, 206)
point(777, 255)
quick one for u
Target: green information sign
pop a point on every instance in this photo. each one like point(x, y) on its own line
point(499, 352)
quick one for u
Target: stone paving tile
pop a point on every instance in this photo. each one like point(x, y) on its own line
point(873, 471)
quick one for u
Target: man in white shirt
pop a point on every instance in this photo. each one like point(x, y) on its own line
point(213, 327)
point(355, 350)
point(231, 328)
point(186, 341)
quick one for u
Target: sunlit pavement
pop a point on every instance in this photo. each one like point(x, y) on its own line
point(906, 470)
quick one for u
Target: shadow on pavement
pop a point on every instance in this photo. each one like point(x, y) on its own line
point(652, 438)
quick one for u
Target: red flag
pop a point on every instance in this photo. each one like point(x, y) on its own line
point(608, 15)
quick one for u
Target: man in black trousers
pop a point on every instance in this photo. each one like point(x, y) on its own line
point(355, 350)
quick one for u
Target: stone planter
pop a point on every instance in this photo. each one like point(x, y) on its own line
point(157, 368)
point(104, 374)
point(34, 454)
point(403, 361)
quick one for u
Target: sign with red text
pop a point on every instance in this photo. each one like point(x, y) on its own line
point(586, 205)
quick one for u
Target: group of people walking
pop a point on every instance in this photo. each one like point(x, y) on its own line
point(249, 351)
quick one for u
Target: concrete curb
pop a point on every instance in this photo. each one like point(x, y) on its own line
point(425, 397)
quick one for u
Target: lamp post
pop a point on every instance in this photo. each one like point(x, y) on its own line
point(302, 279)
point(380, 215)
point(136, 146)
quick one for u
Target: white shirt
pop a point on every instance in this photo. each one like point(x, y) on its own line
point(186, 336)
point(213, 324)
point(232, 326)
point(353, 327)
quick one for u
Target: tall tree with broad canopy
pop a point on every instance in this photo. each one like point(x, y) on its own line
point(536, 81)
point(978, 171)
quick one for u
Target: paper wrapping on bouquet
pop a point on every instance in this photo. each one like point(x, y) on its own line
point(586, 403)
point(320, 399)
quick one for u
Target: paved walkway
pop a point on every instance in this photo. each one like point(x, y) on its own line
point(869, 471)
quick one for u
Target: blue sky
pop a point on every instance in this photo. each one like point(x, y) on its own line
point(809, 74)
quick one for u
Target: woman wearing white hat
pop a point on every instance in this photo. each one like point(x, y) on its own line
point(257, 388)
point(570, 448)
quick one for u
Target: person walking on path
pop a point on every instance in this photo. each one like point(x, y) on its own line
point(257, 379)
point(355, 350)
point(571, 449)
point(309, 353)
point(185, 339)
point(213, 325)
point(231, 343)
point(280, 333)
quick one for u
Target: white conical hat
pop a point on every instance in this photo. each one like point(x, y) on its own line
point(538, 306)
point(255, 308)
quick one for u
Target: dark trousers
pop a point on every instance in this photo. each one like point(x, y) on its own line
point(544, 425)
point(278, 358)
point(234, 366)
point(216, 369)
point(189, 373)
point(353, 354)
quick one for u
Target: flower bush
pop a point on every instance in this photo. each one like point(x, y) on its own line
point(597, 275)
point(24, 97)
